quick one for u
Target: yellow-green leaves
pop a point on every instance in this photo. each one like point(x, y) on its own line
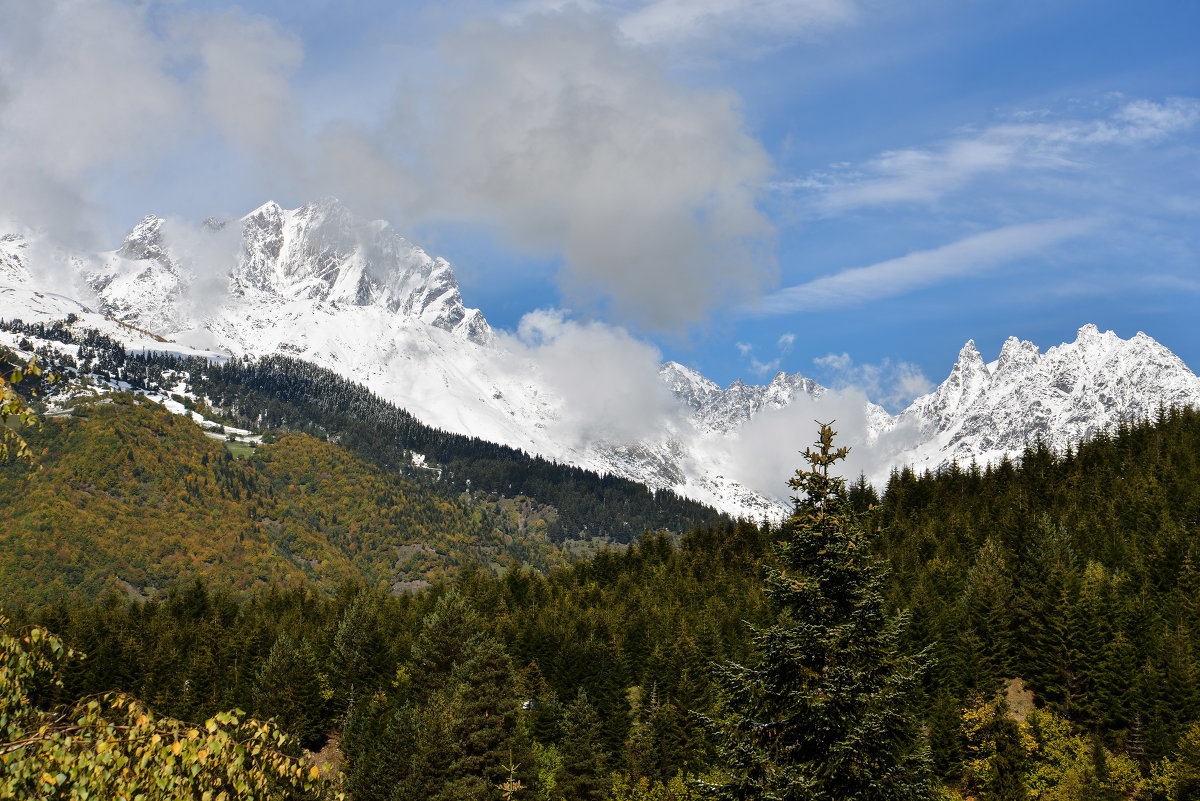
point(13, 405)
point(115, 747)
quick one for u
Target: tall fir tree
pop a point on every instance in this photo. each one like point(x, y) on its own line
point(582, 776)
point(826, 710)
point(288, 689)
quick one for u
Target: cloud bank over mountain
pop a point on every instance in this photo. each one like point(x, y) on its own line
point(552, 131)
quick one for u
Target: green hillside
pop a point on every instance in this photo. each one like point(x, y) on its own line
point(283, 394)
point(125, 495)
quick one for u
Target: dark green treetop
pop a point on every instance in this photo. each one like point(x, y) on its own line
point(826, 708)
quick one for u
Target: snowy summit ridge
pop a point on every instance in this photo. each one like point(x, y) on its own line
point(319, 253)
point(983, 411)
point(354, 296)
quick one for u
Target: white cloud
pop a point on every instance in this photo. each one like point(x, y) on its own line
point(766, 450)
point(606, 379)
point(551, 130)
point(246, 64)
point(1030, 141)
point(93, 89)
point(761, 368)
point(734, 26)
point(206, 255)
point(970, 256)
point(84, 86)
point(569, 143)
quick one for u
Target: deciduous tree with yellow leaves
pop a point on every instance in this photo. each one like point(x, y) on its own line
point(113, 747)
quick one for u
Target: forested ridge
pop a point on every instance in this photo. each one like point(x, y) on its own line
point(124, 494)
point(281, 393)
point(1052, 613)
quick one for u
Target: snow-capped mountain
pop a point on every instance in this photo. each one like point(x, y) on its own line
point(716, 410)
point(354, 296)
point(318, 253)
point(319, 284)
point(140, 283)
point(321, 252)
point(985, 411)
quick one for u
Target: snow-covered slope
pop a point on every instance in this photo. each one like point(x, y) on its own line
point(319, 284)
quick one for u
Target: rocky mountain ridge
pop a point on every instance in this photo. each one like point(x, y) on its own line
point(319, 253)
point(984, 411)
point(356, 297)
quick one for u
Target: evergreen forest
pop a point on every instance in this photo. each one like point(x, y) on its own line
point(1028, 630)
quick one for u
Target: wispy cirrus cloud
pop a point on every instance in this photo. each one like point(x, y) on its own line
point(973, 255)
point(760, 368)
point(725, 24)
point(1030, 141)
point(728, 28)
point(890, 384)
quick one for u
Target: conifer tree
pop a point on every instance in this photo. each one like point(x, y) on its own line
point(584, 760)
point(825, 710)
point(288, 689)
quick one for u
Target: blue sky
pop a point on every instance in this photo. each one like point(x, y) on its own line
point(844, 188)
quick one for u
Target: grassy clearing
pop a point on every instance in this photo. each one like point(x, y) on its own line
point(240, 450)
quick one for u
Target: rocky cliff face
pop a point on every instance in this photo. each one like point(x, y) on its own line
point(322, 253)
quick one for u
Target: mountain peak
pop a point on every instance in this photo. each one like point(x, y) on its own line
point(967, 381)
point(970, 361)
point(321, 252)
point(144, 241)
point(268, 210)
point(1016, 354)
point(688, 385)
point(325, 205)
